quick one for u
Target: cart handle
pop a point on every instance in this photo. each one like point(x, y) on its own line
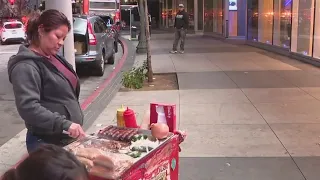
point(182, 135)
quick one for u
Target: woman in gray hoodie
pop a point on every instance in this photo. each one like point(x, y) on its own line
point(45, 86)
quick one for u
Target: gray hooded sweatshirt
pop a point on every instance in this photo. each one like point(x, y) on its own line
point(45, 99)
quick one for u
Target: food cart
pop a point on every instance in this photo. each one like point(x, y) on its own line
point(119, 153)
point(161, 163)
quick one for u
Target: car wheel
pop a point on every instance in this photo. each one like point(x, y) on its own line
point(112, 58)
point(2, 42)
point(100, 66)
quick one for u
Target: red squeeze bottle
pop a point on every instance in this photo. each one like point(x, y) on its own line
point(130, 118)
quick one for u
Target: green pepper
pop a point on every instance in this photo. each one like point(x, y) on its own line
point(135, 138)
point(137, 154)
point(145, 136)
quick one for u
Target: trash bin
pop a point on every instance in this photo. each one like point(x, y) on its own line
point(133, 32)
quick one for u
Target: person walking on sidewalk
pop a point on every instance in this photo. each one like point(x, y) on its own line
point(45, 86)
point(150, 23)
point(181, 25)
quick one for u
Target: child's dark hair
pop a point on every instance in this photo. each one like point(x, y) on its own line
point(49, 162)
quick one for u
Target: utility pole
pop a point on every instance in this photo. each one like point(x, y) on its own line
point(65, 6)
point(142, 46)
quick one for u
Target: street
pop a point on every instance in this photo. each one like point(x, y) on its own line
point(10, 122)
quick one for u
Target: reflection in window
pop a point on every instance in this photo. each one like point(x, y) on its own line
point(316, 50)
point(253, 20)
point(217, 16)
point(171, 16)
point(282, 23)
point(208, 15)
point(190, 10)
point(213, 16)
point(302, 26)
point(200, 14)
point(265, 21)
point(164, 13)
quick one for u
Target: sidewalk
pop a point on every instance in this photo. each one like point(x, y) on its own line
point(249, 114)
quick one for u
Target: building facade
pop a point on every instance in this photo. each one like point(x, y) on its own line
point(289, 25)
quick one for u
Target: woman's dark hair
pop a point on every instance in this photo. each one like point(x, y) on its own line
point(50, 19)
point(49, 162)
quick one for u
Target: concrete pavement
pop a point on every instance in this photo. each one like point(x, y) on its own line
point(249, 114)
point(10, 123)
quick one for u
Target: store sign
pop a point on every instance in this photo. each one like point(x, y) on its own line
point(233, 6)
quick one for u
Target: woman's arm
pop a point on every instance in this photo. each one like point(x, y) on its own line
point(26, 83)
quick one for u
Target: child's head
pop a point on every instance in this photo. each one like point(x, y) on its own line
point(49, 162)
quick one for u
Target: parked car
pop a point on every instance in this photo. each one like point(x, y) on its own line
point(12, 31)
point(95, 45)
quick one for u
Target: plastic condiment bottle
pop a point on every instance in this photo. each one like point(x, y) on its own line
point(130, 118)
point(120, 119)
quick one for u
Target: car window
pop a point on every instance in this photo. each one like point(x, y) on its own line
point(107, 19)
point(13, 26)
point(102, 5)
point(79, 25)
point(102, 25)
point(96, 27)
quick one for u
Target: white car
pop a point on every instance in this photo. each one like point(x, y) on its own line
point(12, 31)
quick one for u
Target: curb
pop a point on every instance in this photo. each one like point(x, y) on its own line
point(86, 103)
point(89, 100)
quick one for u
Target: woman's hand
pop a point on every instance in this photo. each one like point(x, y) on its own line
point(76, 131)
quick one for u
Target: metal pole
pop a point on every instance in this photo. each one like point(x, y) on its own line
point(195, 17)
point(85, 6)
point(130, 23)
point(167, 12)
point(226, 18)
point(65, 6)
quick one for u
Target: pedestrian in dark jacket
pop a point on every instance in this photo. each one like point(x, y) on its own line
point(45, 86)
point(181, 25)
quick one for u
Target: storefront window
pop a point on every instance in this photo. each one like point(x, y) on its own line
point(253, 6)
point(302, 26)
point(171, 16)
point(265, 21)
point(217, 16)
point(190, 10)
point(200, 14)
point(316, 45)
point(208, 15)
point(282, 23)
point(165, 12)
point(213, 16)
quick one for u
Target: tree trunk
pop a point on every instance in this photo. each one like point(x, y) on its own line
point(149, 66)
point(142, 46)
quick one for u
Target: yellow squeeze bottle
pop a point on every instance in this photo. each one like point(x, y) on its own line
point(120, 119)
